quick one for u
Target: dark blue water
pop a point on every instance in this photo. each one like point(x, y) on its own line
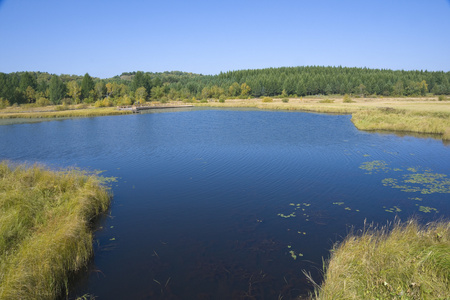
point(197, 203)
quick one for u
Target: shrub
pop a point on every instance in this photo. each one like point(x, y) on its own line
point(42, 102)
point(441, 98)
point(267, 99)
point(62, 107)
point(326, 101)
point(222, 99)
point(285, 100)
point(347, 99)
point(3, 103)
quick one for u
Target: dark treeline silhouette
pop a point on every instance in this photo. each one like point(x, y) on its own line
point(42, 88)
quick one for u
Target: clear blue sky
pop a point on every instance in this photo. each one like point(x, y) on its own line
point(106, 38)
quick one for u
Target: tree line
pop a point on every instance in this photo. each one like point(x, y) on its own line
point(42, 88)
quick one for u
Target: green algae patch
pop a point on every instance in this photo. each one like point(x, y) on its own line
point(45, 228)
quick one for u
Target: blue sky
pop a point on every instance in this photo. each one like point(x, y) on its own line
point(106, 38)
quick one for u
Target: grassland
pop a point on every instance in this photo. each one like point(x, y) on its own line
point(45, 228)
point(419, 115)
point(403, 261)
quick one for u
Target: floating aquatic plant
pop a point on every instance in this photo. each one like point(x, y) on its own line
point(287, 216)
point(393, 209)
point(427, 209)
point(415, 198)
point(374, 166)
point(425, 183)
point(338, 203)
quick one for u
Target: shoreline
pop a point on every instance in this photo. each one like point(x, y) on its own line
point(403, 115)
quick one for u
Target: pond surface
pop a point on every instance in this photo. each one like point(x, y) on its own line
point(233, 204)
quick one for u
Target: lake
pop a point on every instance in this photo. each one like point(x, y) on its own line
point(233, 204)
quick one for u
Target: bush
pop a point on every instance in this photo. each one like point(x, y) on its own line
point(326, 101)
point(42, 102)
point(3, 103)
point(347, 99)
point(267, 99)
point(285, 100)
point(222, 99)
point(441, 98)
point(62, 107)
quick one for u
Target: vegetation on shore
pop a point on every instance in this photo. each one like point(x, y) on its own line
point(45, 228)
point(48, 89)
point(420, 115)
point(402, 261)
point(59, 112)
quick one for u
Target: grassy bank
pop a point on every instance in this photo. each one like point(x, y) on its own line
point(59, 112)
point(421, 115)
point(45, 232)
point(407, 261)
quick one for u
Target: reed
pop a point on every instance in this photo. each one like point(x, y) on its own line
point(397, 261)
point(45, 228)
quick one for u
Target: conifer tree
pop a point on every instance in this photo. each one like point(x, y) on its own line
point(86, 86)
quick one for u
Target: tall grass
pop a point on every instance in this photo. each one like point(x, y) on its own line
point(45, 233)
point(402, 120)
point(69, 113)
point(401, 261)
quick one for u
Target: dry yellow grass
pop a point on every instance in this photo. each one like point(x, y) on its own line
point(400, 261)
point(45, 232)
point(52, 112)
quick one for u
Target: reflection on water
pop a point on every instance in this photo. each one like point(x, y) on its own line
point(231, 204)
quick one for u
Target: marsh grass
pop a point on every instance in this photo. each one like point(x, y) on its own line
point(45, 232)
point(397, 261)
point(64, 113)
point(403, 120)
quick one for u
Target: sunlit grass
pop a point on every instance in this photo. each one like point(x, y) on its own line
point(47, 112)
point(45, 232)
point(401, 261)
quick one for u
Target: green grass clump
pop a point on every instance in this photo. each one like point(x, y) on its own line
point(400, 120)
point(406, 261)
point(45, 228)
point(326, 101)
point(267, 99)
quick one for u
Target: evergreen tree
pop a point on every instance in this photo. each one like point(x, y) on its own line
point(138, 81)
point(86, 86)
point(57, 90)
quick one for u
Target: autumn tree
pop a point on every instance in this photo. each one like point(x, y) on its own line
point(234, 90)
point(245, 90)
point(74, 91)
point(140, 94)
